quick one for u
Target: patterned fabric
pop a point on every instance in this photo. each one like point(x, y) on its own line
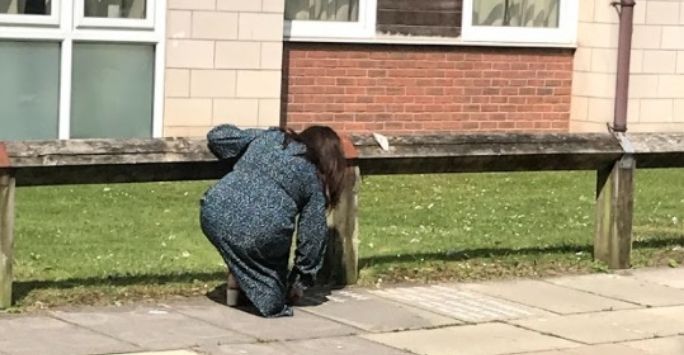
point(249, 215)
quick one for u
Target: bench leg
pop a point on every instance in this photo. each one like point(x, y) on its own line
point(341, 260)
point(614, 212)
point(7, 186)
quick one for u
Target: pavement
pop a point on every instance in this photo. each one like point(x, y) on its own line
point(631, 313)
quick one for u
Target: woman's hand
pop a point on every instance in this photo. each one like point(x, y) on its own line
point(295, 295)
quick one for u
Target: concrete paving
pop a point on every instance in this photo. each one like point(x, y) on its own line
point(634, 313)
point(302, 326)
point(460, 304)
point(46, 335)
point(152, 328)
point(557, 299)
point(662, 346)
point(611, 327)
point(669, 277)
point(479, 339)
point(625, 288)
point(370, 313)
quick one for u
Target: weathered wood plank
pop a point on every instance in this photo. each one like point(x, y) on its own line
point(665, 142)
point(491, 163)
point(140, 160)
point(658, 150)
point(341, 263)
point(106, 151)
point(106, 146)
point(128, 173)
point(599, 141)
point(7, 188)
point(490, 152)
point(614, 213)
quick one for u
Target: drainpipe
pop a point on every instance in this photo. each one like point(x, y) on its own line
point(626, 11)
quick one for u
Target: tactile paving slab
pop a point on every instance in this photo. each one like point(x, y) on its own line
point(459, 304)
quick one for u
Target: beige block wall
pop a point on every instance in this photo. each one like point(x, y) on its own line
point(223, 64)
point(656, 95)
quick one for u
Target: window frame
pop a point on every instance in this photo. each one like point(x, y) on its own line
point(565, 33)
point(53, 19)
point(82, 21)
point(363, 28)
point(68, 31)
point(565, 36)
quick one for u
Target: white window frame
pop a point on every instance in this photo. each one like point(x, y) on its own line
point(67, 32)
point(363, 28)
point(49, 20)
point(105, 22)
point(565, 33)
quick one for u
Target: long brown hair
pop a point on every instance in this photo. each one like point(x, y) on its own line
point(324, 150)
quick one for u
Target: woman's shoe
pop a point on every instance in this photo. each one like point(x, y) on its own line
point(232, 291)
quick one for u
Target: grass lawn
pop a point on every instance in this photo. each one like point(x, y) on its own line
point(115, 243)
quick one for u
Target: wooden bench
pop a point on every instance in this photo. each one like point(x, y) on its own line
point(614, 157)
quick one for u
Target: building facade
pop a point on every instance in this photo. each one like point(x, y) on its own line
point(154, 68)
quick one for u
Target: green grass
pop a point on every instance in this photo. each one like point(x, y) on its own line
point(115, 243)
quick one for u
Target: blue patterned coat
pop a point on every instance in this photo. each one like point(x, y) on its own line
point(249, 215)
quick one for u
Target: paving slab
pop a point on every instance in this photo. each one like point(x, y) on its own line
point(548, 296)
point(363, 310)
point(153, 328)
point(46, 335)
point(480, 339)
point(331, 346)
point(611, 327)
point(667, 277)
point(170, 352)
point(662, 346)
point(302, 326)
point(606, 349)
point(459, 304)
point(624, 288)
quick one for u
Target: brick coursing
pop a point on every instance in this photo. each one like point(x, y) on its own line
point(423, 89)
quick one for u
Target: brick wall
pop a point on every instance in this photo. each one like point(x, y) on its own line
point(413, 89)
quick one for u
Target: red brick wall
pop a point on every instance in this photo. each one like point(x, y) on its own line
point(414, 89)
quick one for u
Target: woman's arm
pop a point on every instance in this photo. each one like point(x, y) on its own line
point(312, 238)
point(228, 141)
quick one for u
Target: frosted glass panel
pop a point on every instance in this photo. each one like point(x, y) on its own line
point(116, 8)
point(25, 7)
point(29, 90)
point(322, 10)
point(516, 13)
point(112, 91)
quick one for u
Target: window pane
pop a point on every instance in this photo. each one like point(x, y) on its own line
point(29, 93)
point(25, 7)
point(112, 90)
point(322, 10)
point(115, 8)
point(516, 13)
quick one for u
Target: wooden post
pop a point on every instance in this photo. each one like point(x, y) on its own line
point(7, 186)
point(341, 263)
point(614, 212)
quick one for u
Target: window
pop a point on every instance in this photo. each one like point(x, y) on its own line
point(97, 72)
point(115, 13)
point(330, 18)
point(29, 12)
point(29, 93)
point(552, 22)
point(526, 21)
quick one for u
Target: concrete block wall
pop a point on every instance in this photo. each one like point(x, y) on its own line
point(656, 98)
point(223, 64)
